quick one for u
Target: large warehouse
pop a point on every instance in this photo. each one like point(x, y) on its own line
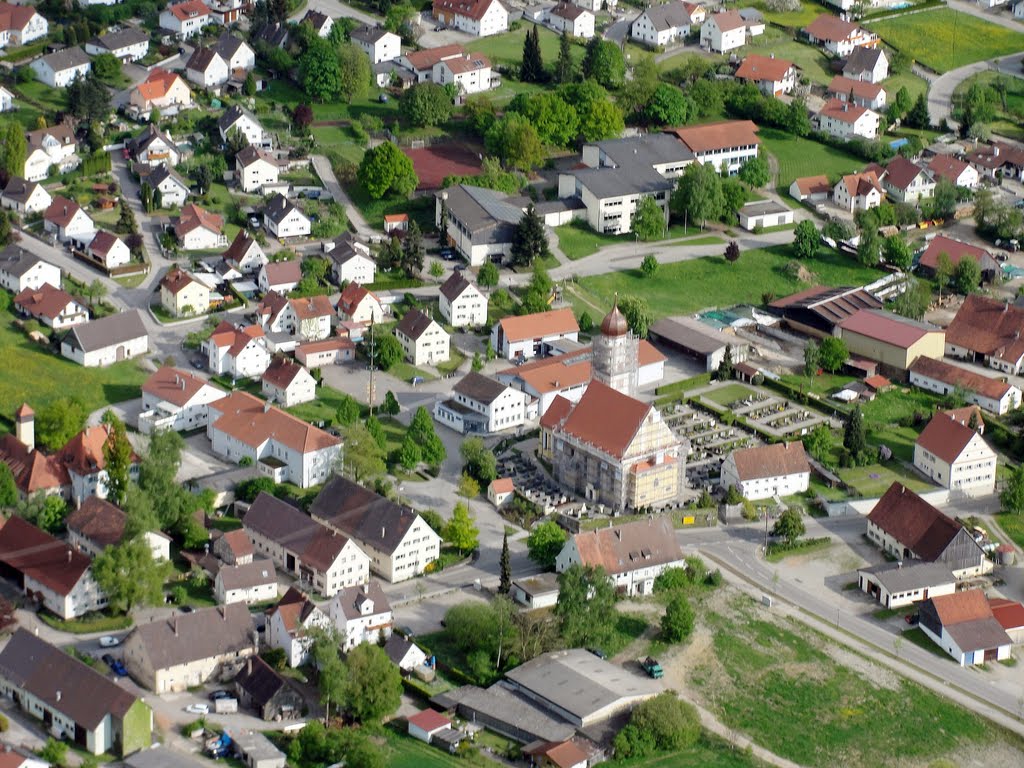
point(698, 340)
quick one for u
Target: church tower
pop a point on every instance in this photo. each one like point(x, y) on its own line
point(615, 358)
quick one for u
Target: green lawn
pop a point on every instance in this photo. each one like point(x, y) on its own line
point(775, 681)
point(1013, 526)
point(507, 49)
point(577, 239)
point(944, 39)
point(802, 157)
point(874, 479)
point(914, 84)
point(43, 376)
point(707, 752)
point(798, 19)
point(728, 394)
point(812, 61)
point(713, 282)
point(1008, 121)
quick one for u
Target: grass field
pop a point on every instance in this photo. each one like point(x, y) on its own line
point(761, 674)
point(507, 49)
point(800, 157)
point(577, 240)
point(728, 394)
point(1008, 121)
point(874, 479)
point(1013, 526)
point(812, 62)
point(804, 15)
point(713, 282)
point(43, 376)
point(943, 39)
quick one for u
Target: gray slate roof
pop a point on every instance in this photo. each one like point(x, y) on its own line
point(19, 189)
point(114, 41)
point(631, 179)
point(17, 261)
point(204, 634)
point(482, 211)
point(911, 576)
point(278, 207)
point(668, 15)
point(480, 388)
point(414, 323)
point(362, 514)
point(227, 45)
point(248, 575)
point(66, 59)
point(113, 329)
point(862, 59)
point(652, 149)
point(351, 599)
point(368, 34)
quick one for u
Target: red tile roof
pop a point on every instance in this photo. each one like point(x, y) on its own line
point(858, 184)
point(606, 419)
point(988, 327)
point(758, 68)
point(563, 754)
point(192, 216)
point(813, 185)
point(174, 385)
point(157, 84)
point(176, 280)
point(283, 272)
point(45, 301)
point(901, 172)
point(103, 242)
point(312, 307)
point(778, 460)
point(238, 542)
point(887, 327)
point(948, 373)
point(830, 28)
point(472, 9)
point(969, 605)
point(1008, 613)
point(99, 521)
point(914, 523)
point(723, 135)
point(861, 89)
point(61, 211)
point(625, 548)
point(429, 720)
point(946, 437)
point(552, 323)
point(15, 17)
point(843, 111)
point(252, 422)
point(352, 296)
point(556, 413)
point(947, 167)
point(422, 60)
point(33, 470)
point(83, 454)
point(503, 485)
point(728, 20)
point(189, 10)
point(40, 556)
point(955, 249)
point(282, 372)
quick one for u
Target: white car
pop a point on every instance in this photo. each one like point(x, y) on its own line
point(198, 709)
point(107, 641)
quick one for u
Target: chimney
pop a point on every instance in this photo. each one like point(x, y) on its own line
point(383, 530)
point(249, 666)
point(69, 554)
point(267, 406)
point(995, 150)
point(57, 697)
point(25, 426)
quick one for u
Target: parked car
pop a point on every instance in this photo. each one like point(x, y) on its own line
point(198, 709)
point(913, 619)
point(108, 660)
point(108, 641)
point(115, 666)
point(186, 609)
point(214, 695)
point(254, 222)
point(652, 667)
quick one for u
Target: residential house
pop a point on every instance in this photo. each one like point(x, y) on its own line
point(540, 591)
point(49, 147)
point(6, 100)
point(994, 395)
point(987, 331)
point(908, 528)
point(98, 524)
point(772, 76)
point(280, 276)
point(421, 63)
point(240, 352)
point(182, 295)
point(963, 625)
point(48, 571)
point(66, 220)
point(274, 34)
point(107, 340)
point(662, 24)
point(767, 471)
point(245, 254)
point(404, 654)
point(572, 19)
point(615, 450)
point(423, 339)
point(161, 90)
point(290, 625)
point(869, 65)
point(320, 22)
point(956, 250)
point(198, 229)
point(128, 44)
point(233, 547)
point(378, 43)
point(280, 445)
point(858, 192)
point(283, 219)
point(480, 404)
point(359, 305)
point(461, 302)
point(260, 688)
point(173, 398)
point(173, 189)
point(890, 339)
point(480, 221)
point(236, 118)
point(333, 351)
point(186, 650)
point(846, 120)
point(726, 145)
point(53, 307)
point(20, 269)
point(287, 383)
point(206, 68)
point(501, 490)
point(953, 170)
point(361, 615)
point(997, 160)
point(350, 260)
point(427, 724)
point(108, 250)
point(226, 12)
point(1010, 615)
point(470, 73)
point(398, 541)
point(858, 92)
point(240, 57)
point(309, 317)
point(956, 457)
point(154, 148)
point(723, 32)
point(248, 583)
point(318, 556)
point(22, 196)
point(254, 168)
point(897, 585)
point(186, 19)
point(60, 69)
point(837, 36)
point(811, 189)
point(906, 182)
point(521, 337)
point(84, 462)
point(75, 701)
point(479, 18)
point(21, 24)
point(633, 555)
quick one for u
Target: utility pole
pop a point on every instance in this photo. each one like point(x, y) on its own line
point(371, 388)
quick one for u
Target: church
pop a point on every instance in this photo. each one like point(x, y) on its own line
point(610, 448)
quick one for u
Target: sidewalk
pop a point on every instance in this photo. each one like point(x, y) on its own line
point(322, 168)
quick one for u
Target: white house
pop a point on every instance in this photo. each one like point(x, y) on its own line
point(107, 340)
point(954, 170)
point(22, 196)
point(994, 395)
point(320, 22)
point(128, 44)
point(53, 307)
point(245, 254)
point(461, 302)
point(907, 182)
point(963, 625)
point(427, 724)
point(287, 383)
point(480, 404)
point(524, 336)
point(858, 192)
point(6, 100)
point(280, 276)
point(723, 32)
point(379, 44)
point(772, 76)
point(359, 305)
point(351, 260)
point(154, 148)
point(860, 92)
point(421, 63)
point(867, 64)
point(404, 654)
point(199, 230)
point(50, 146)
point(186, 19)
point(237, 352)
point(726, 145)
point(21, 24)
point(424, 340)
point(479, 18)
point(206, 68)
point(236, 52)
point(173, 398)
point(254, 168)
point(573, 19)
point(67, 221)
point(283, 219)
point(249, 583)
point(282, 447)
point(308, 318)
point(20, 269)
point(109, 250)
point(174, 190)
point(838, 36)
point(662, 24)
point(956, 457)
point(896, 585)
point(161, 90)
point(59, 69)
point(470, 73)
point(235, 118)
point(633, 555)
point(290, 626)
point(361, 615)
point(767, 471)
point(845, 120)
point(540, 591)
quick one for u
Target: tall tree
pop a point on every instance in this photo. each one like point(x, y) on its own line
point(59, 421)
point(545, 542)
point(461, 531)
point(967, 275)
point(364, 456)
point(13, 150)
point(386, 169)
point(412, 250)
point(918, 116)
point(869, 247)
point(699, 194)
point(8, 487)
point(854, 435)
point(725, 368)
point(586, 606)
point(332, 674)
point(677, 623)
point(373, 686)
point(515, 141)
point(805, 239)
point(565, 68)
point(789, 526)
point(117, 454)
point(425, 104)
point(944, 271)
point(604, 62)
point(1012, 497)
point(532, 68)
point(897, 252)
point(129, 576)
point(832, 353)
point(505, 567)
point(638, 315)
point(529, 240)
point(320, 71)
point(648, 220)
point(812, 358)
point(756, 172)
point(354, 72)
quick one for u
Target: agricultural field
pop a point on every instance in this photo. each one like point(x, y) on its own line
point(800, 157)
point(944, 39)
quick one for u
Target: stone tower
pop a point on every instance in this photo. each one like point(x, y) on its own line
point(615, 354)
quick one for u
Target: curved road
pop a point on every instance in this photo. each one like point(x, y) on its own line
point(940, 92)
